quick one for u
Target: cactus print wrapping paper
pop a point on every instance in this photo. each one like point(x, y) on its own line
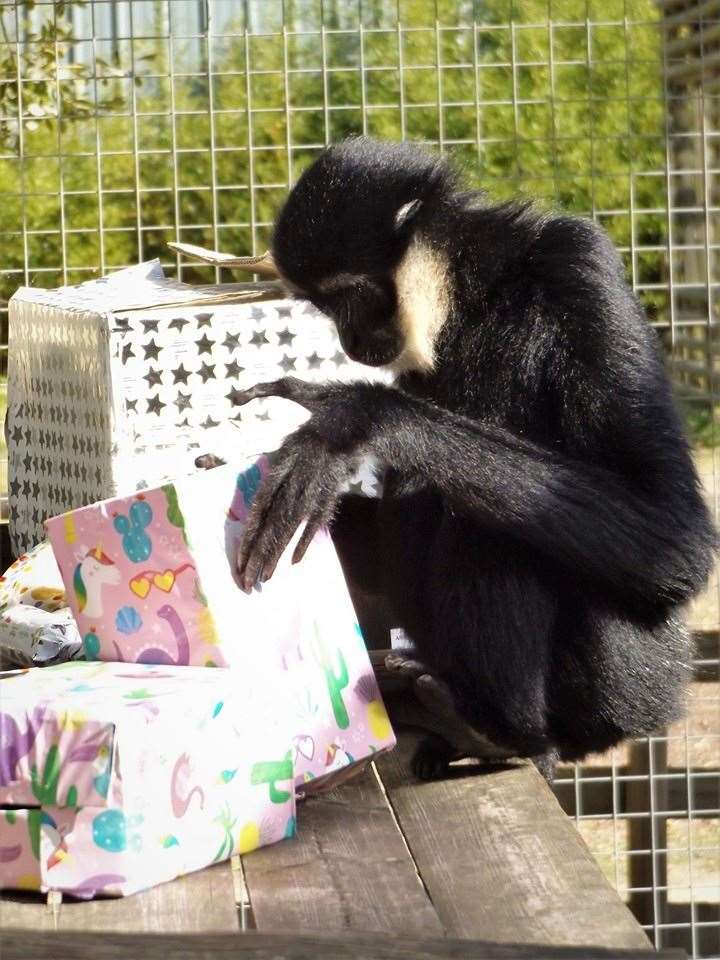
point(116, 777)
point(151, 579)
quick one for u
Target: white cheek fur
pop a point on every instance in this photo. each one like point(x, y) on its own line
point(423, 292)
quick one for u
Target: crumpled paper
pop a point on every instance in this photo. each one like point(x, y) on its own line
point(36, 624)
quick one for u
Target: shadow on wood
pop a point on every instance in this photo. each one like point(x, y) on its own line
point(264, 946)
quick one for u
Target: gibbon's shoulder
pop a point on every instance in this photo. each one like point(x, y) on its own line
point(577, 247)
point(544, 240)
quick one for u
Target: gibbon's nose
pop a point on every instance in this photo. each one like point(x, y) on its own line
point(349, 341)
point(375, 349)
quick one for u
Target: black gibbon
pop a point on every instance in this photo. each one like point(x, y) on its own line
point(541, 524)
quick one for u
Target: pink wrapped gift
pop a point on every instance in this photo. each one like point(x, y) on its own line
point(151, 579)
point(115, 777)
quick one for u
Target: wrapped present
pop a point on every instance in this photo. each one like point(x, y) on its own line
point(151, 579)
point(36, 625)
point(30, 636)
point(116, 777)
point(33, 579)
point(136, 360)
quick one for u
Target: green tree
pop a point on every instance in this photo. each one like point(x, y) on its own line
point(184, 143)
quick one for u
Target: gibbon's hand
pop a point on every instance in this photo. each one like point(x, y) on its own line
point(312, 396)
point(303, 484)
point(309, 470)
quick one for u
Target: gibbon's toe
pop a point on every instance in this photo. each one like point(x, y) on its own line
point(432, 758)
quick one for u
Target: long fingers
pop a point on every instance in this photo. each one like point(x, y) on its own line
point(303, 485)
point(310, 395)
point(401, 663)
point(293, 491)
point(320, 518)
point(250, 557)
point(437, 697)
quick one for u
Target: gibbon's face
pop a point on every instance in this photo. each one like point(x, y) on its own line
point(340, 239)
point(360, 297)
point(364, 310)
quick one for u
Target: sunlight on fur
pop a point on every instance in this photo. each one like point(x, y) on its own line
point(423, 291)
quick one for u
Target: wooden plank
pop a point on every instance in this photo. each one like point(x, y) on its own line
point(202, 901)
point(27, 912)
point(264, 946)
point(348, 869)
point(501, 860)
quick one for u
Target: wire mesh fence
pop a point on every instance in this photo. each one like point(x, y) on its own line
point(124, 125)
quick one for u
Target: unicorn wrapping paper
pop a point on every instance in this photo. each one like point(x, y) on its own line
point(151, 579)
point(116, 777)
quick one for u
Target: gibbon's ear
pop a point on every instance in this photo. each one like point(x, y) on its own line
point(406, 213)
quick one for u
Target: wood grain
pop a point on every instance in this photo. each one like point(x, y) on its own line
point(498, 858)
point(263, 946)
point(501, 860)
point(26, 912)
point(348, 869)
point(198, 902)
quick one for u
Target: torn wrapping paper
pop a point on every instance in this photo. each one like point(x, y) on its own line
point(32, 637)
point(115, 777)
point(136, 360)
point(36, 625)
point(33, 579)
point(151, 579)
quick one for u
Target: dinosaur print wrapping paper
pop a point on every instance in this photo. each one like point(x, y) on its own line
point(151, 579)
point(105, 375)
point(116, 777)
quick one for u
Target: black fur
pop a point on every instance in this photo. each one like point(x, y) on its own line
point(542, 521)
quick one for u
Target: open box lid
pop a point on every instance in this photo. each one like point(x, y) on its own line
point(144, 286)
point(71, 735)
point(165, 292)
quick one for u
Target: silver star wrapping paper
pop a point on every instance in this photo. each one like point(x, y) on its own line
point(117, 383)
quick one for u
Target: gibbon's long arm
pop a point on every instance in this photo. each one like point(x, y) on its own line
point(654, 549)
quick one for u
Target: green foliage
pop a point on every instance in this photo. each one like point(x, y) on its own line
point(574, 135)
point(702, 425)
point(38, 79)
point(562, 110)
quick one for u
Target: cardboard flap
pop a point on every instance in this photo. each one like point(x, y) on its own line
point(179, 295)
point(263, 265)
point(143, 287)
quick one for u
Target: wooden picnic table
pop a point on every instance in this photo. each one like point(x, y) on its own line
point(481, 864)
point(383, 866)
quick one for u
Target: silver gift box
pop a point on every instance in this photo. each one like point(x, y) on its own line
point(111, 380)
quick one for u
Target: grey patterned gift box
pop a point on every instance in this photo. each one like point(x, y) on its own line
point(110, 380)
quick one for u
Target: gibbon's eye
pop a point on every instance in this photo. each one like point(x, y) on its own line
point(335, 305)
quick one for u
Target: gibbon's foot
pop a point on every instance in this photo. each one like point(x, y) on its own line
point(456, 739)
point(432, 758)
